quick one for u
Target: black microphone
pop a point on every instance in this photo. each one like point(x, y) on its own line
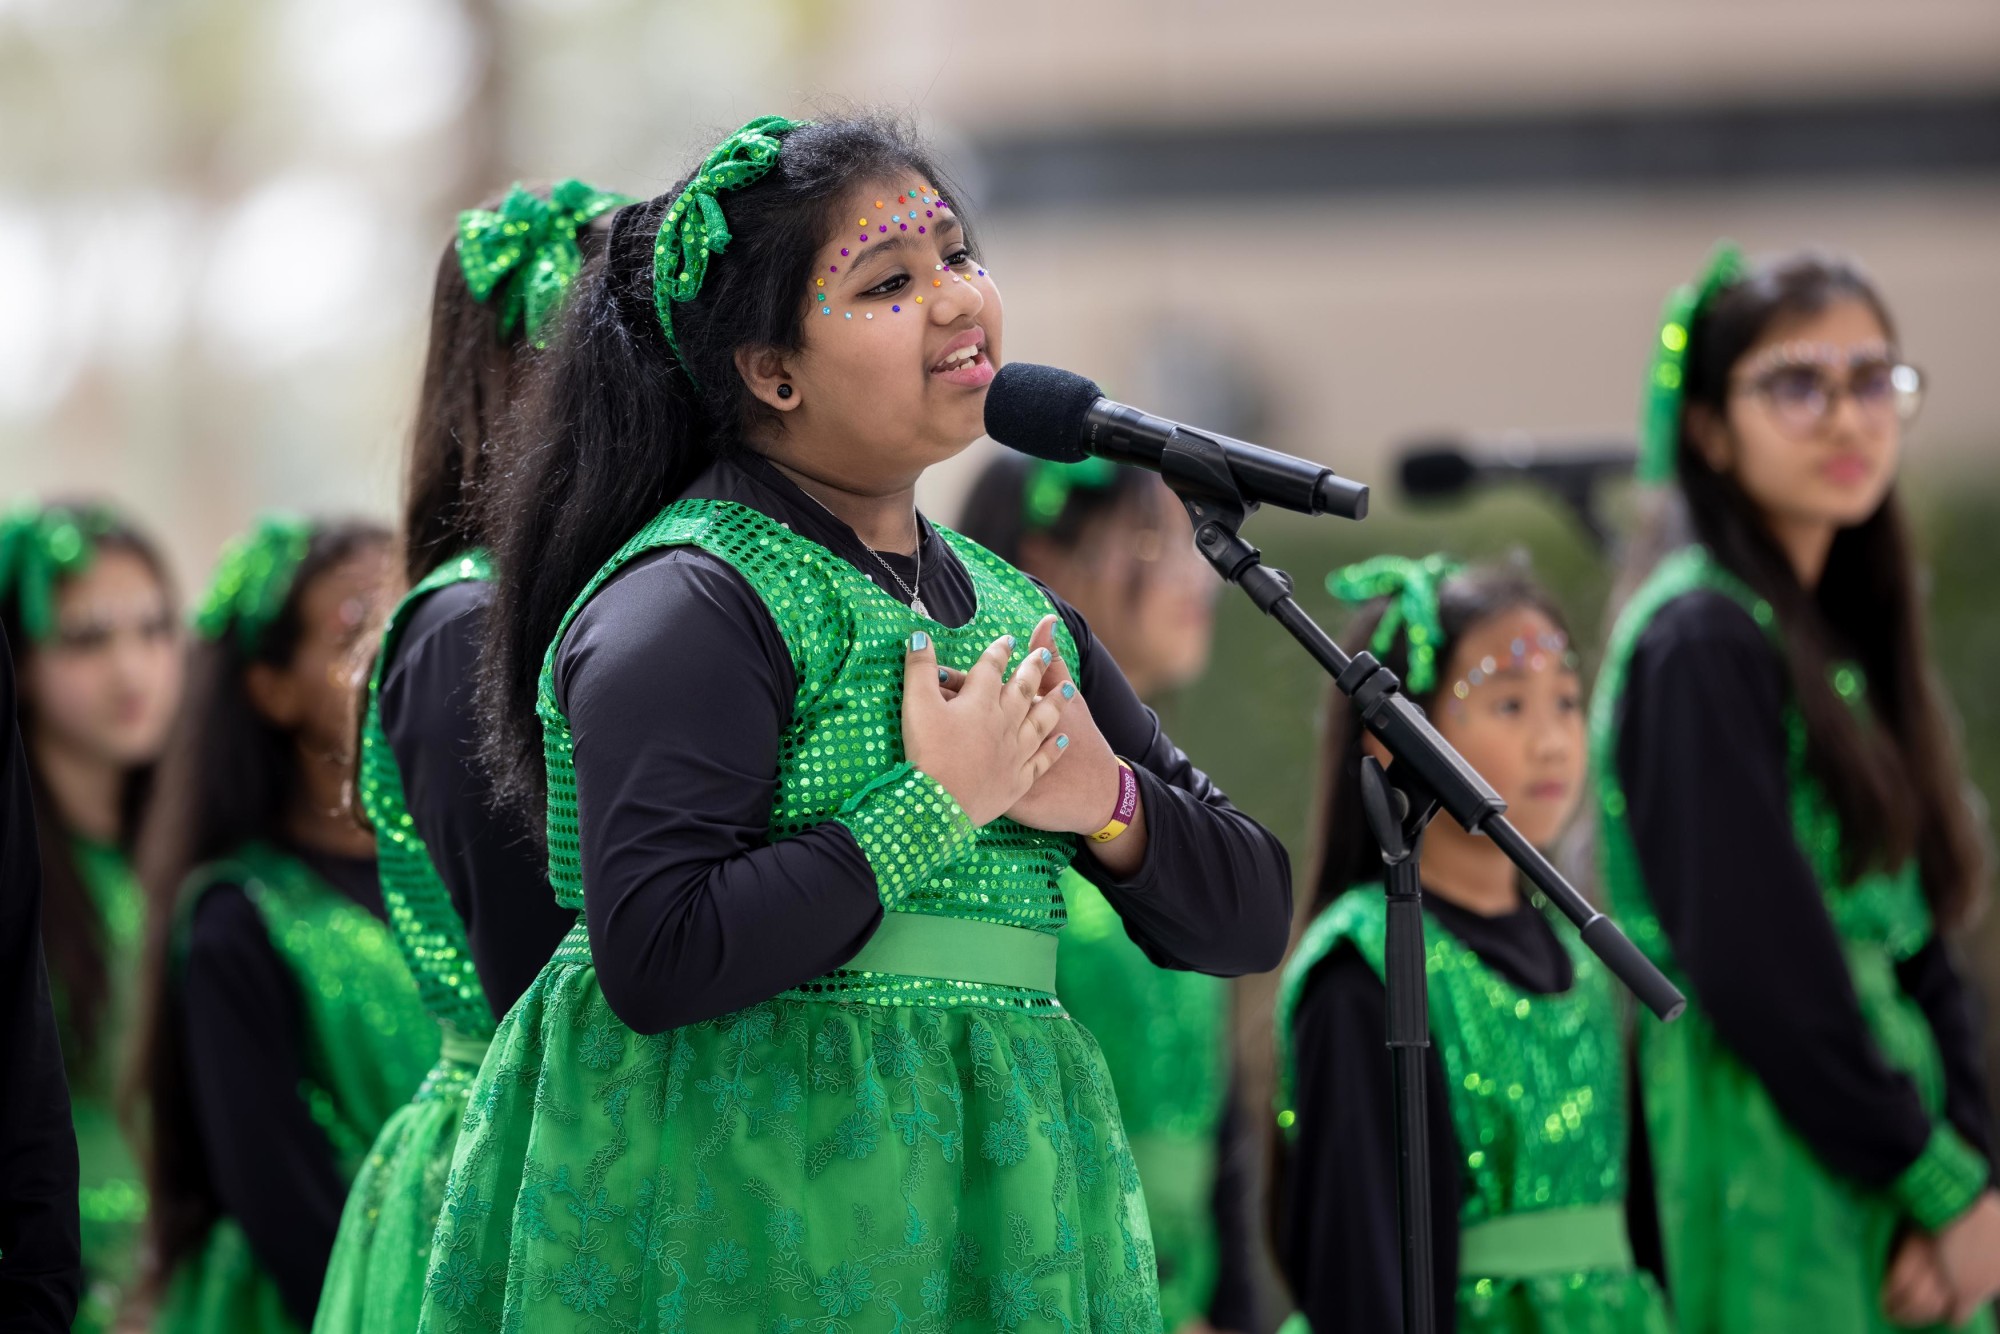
point(1441, 467)
point(1058, 415)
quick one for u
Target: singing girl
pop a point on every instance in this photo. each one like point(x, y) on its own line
point(1784, 828)
point(85, 600)
point(1115, 544)
point(462, 879)
point(1525, 1076)
point(281, 1027)
point(802, 1063)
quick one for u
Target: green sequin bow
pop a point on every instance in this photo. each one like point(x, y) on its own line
point(1412, 589)
point(1666, 383)
point(526, 252)
point(252, 579)
point(39, 546)
point(694, 227)
point(1049, 485)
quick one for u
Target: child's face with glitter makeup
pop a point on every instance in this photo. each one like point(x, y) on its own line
point(901, 338)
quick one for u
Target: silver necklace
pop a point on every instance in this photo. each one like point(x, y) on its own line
point(909, 589)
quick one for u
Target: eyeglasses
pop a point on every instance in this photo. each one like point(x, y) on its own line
point(1802, 387)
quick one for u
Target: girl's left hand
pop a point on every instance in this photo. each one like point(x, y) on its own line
point(1078, 795)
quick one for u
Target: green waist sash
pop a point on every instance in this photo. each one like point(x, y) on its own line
point(1546, 1241)
point(458, 1062)
point(952, 949)
point(959, 950)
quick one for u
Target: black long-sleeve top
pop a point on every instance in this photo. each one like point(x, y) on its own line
point(1702, 760)
point(678, 688)
point(488, 859)
point(41, 1265)
point(1336, 1205)
point(243, 1025)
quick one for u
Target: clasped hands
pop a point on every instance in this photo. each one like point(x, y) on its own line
point(1025, 747)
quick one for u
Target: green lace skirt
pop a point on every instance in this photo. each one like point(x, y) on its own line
point(805, 1164)
point(375, 1278)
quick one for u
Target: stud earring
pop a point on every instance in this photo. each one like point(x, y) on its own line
point(784, 391)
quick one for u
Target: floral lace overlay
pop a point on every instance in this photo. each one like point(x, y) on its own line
point(858, 1154)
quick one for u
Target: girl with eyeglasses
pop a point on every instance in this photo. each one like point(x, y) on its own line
point(1784, 826)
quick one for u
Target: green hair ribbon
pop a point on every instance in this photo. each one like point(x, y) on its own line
point(252, 579)
point(694, 227)
point(1666, 383)
point(39, 546)
point(1049, 484)
point(526, 251)
point(1412, 589)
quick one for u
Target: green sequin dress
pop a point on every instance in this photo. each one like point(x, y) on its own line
point(1163, 1035)
point(111, 1201)
point(367, 1043)
point(375, 1279)
point(1537, 1101)
point(1759, 1235)
point(920, 1141)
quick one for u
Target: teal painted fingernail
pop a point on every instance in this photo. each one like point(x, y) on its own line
point(1069, 691)
point(1062, 741)
point(943, 676)
point(1042, 655)
point(1008, 640)
point(919, 642)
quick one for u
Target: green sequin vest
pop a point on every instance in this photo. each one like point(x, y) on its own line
point(1758, 1233)
point(1537, 1083)
point(427, 928)
point(1885, 910)
point(848, 641)
point(366, 1045)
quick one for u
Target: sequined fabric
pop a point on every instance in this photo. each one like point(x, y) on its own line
point(375, 1278)
point(39, 547)
point(252, 579)
point(366, 1044)
point(862, 1153)
point(1536, 1088)
point(1758, 1234)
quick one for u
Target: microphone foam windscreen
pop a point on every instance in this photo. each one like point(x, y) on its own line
point(1039, 410)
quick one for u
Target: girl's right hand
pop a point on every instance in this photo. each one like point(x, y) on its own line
point(988, 743)
point(1969, 1253)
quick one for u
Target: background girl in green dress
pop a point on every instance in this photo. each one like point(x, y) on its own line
point(1115, 544)
point(1784, 827)
point(464, 884)
point(811, 768)
point(1526, 1085)
point(281, 1027)
point(88, 607)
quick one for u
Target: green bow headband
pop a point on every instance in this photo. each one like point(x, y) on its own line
point(252, 579)
point(1049, 484)
point(529, 248)
point(694, 227)
point(40, 546)
point(1412, 589)
point(1660, 416)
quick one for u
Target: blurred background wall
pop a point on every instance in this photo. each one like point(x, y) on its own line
point(1323, 224)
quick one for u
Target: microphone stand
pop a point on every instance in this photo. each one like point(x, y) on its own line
point(1428, 774)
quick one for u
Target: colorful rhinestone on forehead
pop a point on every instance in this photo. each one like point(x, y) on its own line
point(1525, 652)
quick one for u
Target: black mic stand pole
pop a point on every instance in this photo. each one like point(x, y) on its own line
point(1428, 774)
point(1397, 822)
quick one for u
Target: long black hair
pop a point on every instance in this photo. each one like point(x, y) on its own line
point(1344, 851)
point(612, 426)
point(471, 374)
point(73, 928)
point(229, 775)
point(1898, 787)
